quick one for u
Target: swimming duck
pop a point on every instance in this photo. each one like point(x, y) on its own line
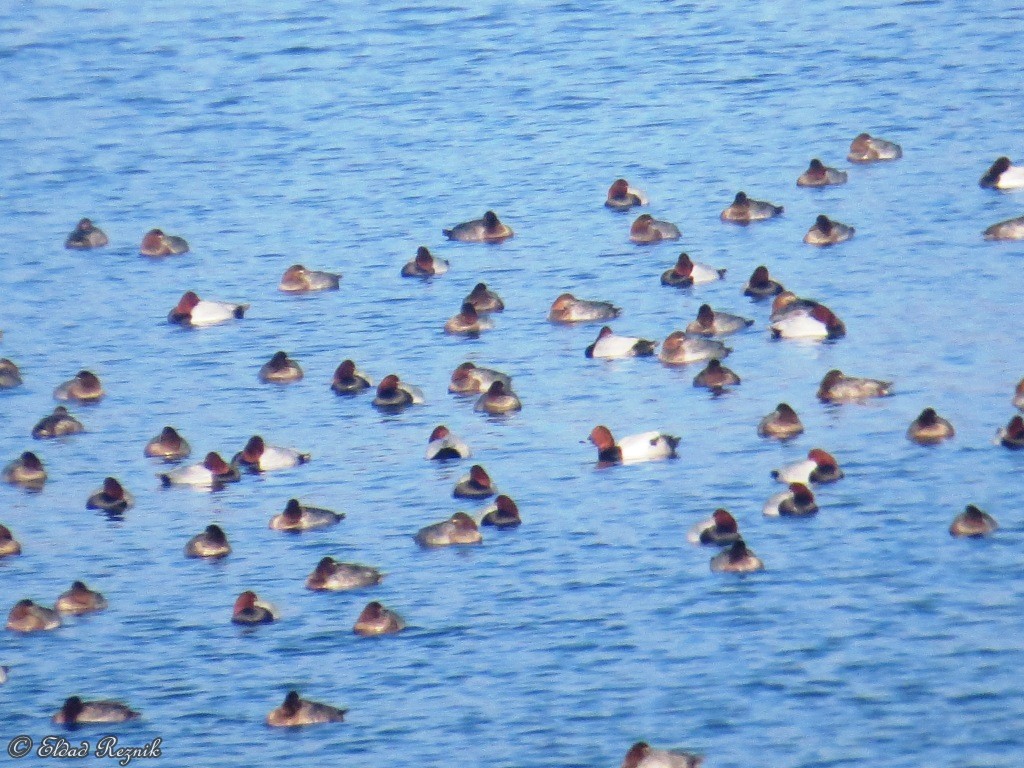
point(168, 445)
point(9, 547)
point(865, 149)
point(295, 712)
point(643, 755)
point(76, 711)
point(57, 424)
point(257, 456)
point(280, 369)
point(836, 387)
point(3, 674)
point(375, 620)
point(736, 559)
point(468, 322)
point(424, 264)
point(1011, 229)
point(212, 543)
point(680, 349)
point(498, 399)
point(687, 273)
point(298, 279)
point(715, 376)
point(484, 300)
point(26, 616)
point(825, 231)
point(568, 309)
point(760, 285)
point(393, 394)
point(349, 380)
point(469, 378)
point(86, 235)
point(820, 175)
point(1018, 396)
point(929, 428)
point(444, 445)
point(26, 471)
point(156, 243)
point(818, 322)
point(80, 599)
point(622, 197)
point(798, 501)
point(502, 514)
point(1012, 435)
point(782, 423)
point(646, 446)
point(647, 229)
point(212, 473)
point(250, 610)
point(719, 529)
point(297, 517)
point(460, 528)
point(110, 498)
point(486, 230)
point(788, 303)
point(711, 323)
point(85, 388)
point(1003, 175)
point(193, 312)
point(973, 523)
point(10, 376)
point(744, 210)
point(476, 485)
point(818, 467)
point(332, 576)
point(608, 346)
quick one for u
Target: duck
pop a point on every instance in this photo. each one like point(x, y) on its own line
point(394, 394)
point(298, 279)
point(168, 445)
point(568, 309)
point(332, 576)
point(820, 175)
point(469, 378)
point(744, 210)
point(467, 322)
point(826, 231)
point(484, 300)
point(57, 424)
point(687, 273)
point(26, 617)
point(643, 755)
point(1003, 175)
point(298, 517)
point(761, 285)
point(443, 445)
point(738, 558)
point(27, 471)
point(819, 467)
point(972, 523)
point(837, 387)
point(295, 712)
point(9, 547)
point(76, 711)
point(818, 322)
point(1012, 435)
point(609, 346)
point(84, 388)
point(376, 620)
point(425, 264)
point(112, 497)
point(476, 485)
point(3, 674)
point(257, 456)
point(866, 149)
point(488, 229)
point(349, 380)
point(250, 610)
point(10, 376)
point(798, 501)
point(715, 376)
point(1011, 229)
point(681, 349)
point(212, 543)
point(781, 424)
point(712, 323)
point(622, 197)
point(498, 399)
point(646, 446)
point(459, 529)
point(1018, 396)
point(502, 514)
point(929, 428)
point(193, 312)
point(718, 530)
point(156, 243)
point(647, 229)
point(213, 472)
point(280, 369)
point(79, 600)
point(86, 235)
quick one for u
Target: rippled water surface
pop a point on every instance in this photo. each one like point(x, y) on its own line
point(341, 137)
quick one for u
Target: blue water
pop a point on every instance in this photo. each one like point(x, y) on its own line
point(342, 138)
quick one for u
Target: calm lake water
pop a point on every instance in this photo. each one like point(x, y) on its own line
point(341, 137)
